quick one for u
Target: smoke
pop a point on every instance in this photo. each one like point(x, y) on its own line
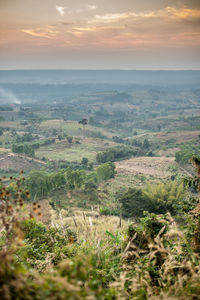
point(8, 96)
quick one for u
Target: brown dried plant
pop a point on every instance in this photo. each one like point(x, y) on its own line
point(12, 209)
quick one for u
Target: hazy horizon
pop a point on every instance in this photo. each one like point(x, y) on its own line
point(98, 69)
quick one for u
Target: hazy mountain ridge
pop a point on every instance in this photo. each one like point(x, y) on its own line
point(156, 78)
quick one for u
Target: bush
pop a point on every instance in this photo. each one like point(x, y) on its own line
point(157, 199)
point(185, 154)
point(106, 171)
point(106, 211)
point(114, 154)
point(134, 203)
point(40, 240)
point(23, 148)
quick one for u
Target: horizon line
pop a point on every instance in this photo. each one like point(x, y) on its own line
point(118, 69)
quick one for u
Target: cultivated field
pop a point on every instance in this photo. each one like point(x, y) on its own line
point(147, 166)
point(74, 128)
point(14, 163)
point(62, 150)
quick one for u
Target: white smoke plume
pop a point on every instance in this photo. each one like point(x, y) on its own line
point(8, 96)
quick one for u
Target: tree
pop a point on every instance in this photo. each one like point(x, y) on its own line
point(23, 148)
point(158, 199)
point(69, 139)
point(106, 171)
point(146, 144)
point(38, 183)
point(133, 203)
point(83, 122)
point(84, 161)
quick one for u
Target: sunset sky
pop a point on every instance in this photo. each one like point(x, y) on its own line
point(99, 34)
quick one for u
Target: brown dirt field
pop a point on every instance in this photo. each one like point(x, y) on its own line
point(17, 162)
point(179, 136)
point(147, 166)
point(10, 124)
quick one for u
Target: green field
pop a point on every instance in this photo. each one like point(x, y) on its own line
point(74, 152)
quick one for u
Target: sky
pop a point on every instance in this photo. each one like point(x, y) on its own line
point(100, 34)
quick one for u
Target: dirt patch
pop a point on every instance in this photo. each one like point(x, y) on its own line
point(179, 136)
point(147, 166)
point(169, 151)
point(10, 124)
point(15, 162)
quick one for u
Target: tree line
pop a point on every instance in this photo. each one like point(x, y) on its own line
point(40, 183)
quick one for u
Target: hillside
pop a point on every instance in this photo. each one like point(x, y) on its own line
point(98, 191)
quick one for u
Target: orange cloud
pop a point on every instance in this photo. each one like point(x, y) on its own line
point(166, 13)
point(164, 28)
point(48, 32)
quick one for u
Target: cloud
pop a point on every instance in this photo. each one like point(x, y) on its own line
point(109, 18)
point(66, 23)
point(168, 28)
point(166, 13)
point(60, 9)
point(92, 7)
point(37, 32)
point(48, 32)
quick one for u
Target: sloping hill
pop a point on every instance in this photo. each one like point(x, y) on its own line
point(15, 162)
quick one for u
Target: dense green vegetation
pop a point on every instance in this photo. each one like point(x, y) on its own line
point(185, 154)
point(153, 257)
point(23, 148)
point(158, 199)
point(41, 183)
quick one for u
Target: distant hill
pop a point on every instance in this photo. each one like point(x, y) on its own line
point(127, 77)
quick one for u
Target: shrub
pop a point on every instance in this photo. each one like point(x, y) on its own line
point(159, 199)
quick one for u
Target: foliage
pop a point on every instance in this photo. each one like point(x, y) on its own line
point(157, 261)
point(23, 148)
point(40, 183)
point(27, 137)
point(84, 161)
point(185, 154)
point(148, 260)
point(41, 241)
point(106, 211)
point(69, 139)
point(114, 154)
point(159, 199)
point(105, 171)
point(134, 203)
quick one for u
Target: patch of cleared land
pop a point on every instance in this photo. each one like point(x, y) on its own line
point(88, 148)
point(179, 136)
point(15, 162)
point(137, 172)
point(147, 166)
point(10, 124)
